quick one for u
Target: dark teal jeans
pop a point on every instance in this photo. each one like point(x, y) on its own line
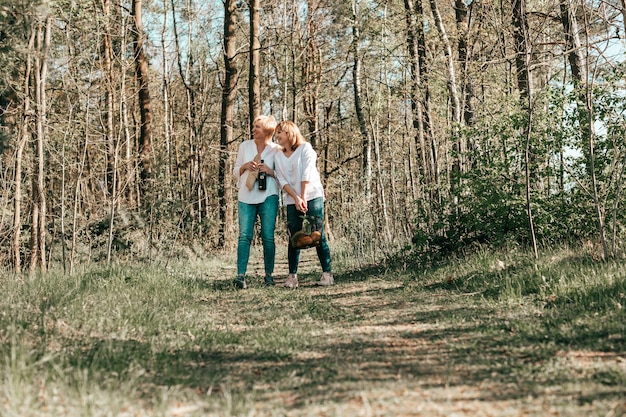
point(294, 223)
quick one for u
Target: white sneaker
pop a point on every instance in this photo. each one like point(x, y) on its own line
point(327, 279)
point(292, 281)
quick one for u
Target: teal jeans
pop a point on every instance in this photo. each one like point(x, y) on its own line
point(294, 223)
point(248, 213)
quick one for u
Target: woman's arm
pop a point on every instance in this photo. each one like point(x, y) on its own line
point(300, 202)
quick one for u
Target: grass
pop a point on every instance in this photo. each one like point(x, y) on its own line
point(491, 334)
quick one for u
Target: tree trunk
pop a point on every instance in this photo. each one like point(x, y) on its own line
point(254, 80)
point(311, 74)
point(38, 230)
point(427, 157)
point(520, 31)
point(522, 60)
point(24, 137)
point(358, 103)
point(463, 28)
point(145, 133)
point(107, 59)
point(455, 106)
point(229, 90)
point(165, 92)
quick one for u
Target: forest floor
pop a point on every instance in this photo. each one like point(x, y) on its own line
point(381, 343)
point(463, 339)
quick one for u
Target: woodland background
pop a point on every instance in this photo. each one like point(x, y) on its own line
point(439, 125)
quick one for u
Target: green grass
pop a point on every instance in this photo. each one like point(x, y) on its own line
point(488, 334)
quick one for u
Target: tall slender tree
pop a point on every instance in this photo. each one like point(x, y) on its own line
point(38, 211)
point(24, 135)
point(254, 79)
point(229, 91)
point(144, 144)
point(366, 138)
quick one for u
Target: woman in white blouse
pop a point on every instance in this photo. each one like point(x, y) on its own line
point(256, 156)
point(298, 177)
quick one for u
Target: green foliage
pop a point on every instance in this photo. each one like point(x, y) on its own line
point(488, 202)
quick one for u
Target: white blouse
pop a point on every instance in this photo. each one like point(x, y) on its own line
point(247, 152)
point(298, 167)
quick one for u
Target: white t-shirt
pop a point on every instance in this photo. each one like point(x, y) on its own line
point(299, 166)
point(247, 152)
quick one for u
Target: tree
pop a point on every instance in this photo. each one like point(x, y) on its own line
point(145, 130)
point(254, 80)
point(24, 137)
point(229, 91)
point(38, 210)
point(358, 105)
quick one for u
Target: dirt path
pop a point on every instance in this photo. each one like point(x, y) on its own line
point(393, 346)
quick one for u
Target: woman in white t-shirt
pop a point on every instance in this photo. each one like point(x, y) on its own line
point(256, 156)
point(298, 177)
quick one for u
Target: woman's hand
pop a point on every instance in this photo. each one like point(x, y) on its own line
point(251, 166)
point(301, 204)
point(264, 168)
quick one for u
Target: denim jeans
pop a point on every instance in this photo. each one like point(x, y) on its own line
point(266, 211)
point(294, 223)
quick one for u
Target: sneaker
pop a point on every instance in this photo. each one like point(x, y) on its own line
point(327, 279)
point(269, 281)
point(240, 282)
point(292, 281)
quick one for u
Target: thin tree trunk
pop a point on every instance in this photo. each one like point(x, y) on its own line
point(131, 180)
point(145, 134)
point(591, 161)
point(413, 26)
point(520, 30)
point(229, 90)
point(455, 106)
point(77, 189)
point(107, 53)
point(311, 74)
point(420, 97)
point(522, 46)
point(166, 101)
point(623, 2)
point(463, 28)
point(254, 80)
point(24, 137)
point(38, 230)
point(358, 103)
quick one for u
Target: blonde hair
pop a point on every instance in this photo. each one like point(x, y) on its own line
point(293, 133)
point(268, 123)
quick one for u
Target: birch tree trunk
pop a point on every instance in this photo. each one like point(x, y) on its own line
point(455, 104)
point(463, 29)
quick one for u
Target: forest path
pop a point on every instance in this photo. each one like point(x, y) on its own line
point(388, 344)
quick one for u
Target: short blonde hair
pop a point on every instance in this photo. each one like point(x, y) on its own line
point(293, 133)
point(268, 123)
